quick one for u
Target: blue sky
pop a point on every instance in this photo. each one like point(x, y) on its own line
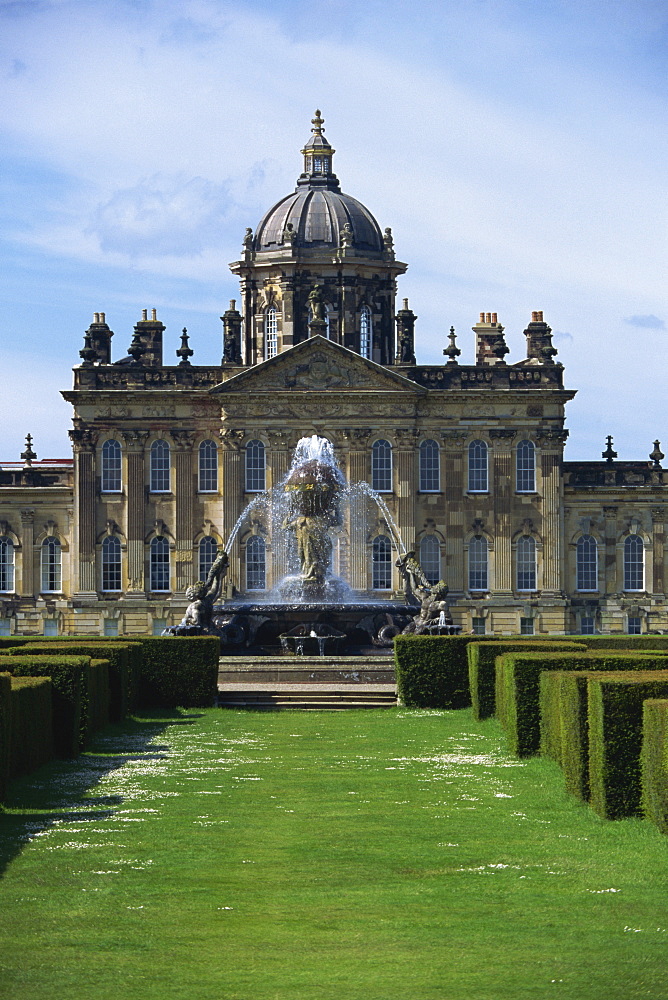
point(517, 148)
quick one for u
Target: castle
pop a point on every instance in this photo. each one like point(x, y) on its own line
point(468, 458)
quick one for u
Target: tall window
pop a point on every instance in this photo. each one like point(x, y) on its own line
point(478, 467)
point(208, 467)
point(208, 550)
point(381, 466)
point(430, 467)
point(6, 565)
point(255, 467)
point(256, 564)
point(111, 467)
point(160, 467)
point(526, 467)
point(365, 332)
point(587, 625)
point(634, 563)
point(526, 563)
point(111, 563)
point(586, 567)
point(478, 563)
point(270, 333)
point(159, 560)
point(381, 563)
point(430, 558)
point(327, 322)
point(51, 565)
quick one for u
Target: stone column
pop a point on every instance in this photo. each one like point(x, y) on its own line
point(453, 472)
point(502, 482)
point(611, 584)
point(552, 446)
point(233, 493)
point(83, 441)
point(277, 469)
point(287, 318)
point(406, 485)
point(136, 492)
point(185, 498)
point(27, 543)
point(358, 471)
point(658, 542)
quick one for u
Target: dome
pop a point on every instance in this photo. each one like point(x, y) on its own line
point(315, 215)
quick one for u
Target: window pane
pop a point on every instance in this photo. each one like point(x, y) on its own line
point(586, 563)
point(365, 332)
point(478, 625)
point(111, 626)
point(159, 626)
point(160, 564)
point(526, 563)
point(430, 472)
point(51, 565)
point(634, 553)
point(6, 565)
point(111, 564)
point(526, 467)
point(255, 563)
point(430, 558)
point(111, 467)
point(50, 626)
point(255, 467)
point(270, 333)
point(208, 550)
point(478, 563)
point(477, 467)
point(587, 625)
point(382, 563)
point(208, 467)
point(526, 626)
point(633, 626)
point(5, 626)
point(381, 466)
point(160, 467)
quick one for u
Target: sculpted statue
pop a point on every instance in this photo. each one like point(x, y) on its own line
point(314, 548)
point(416, 583)
point(202, 596)
point(315, 302)
point(433, 611)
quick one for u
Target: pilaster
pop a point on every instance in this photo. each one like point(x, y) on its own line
point(358, 471)
point(27, 543)
point(185, 495)
point(502, 478)
point(552, 444)
point(135, 442)
point(453, 471)
point(658, 544)
point(83, 441)
point(233, 490)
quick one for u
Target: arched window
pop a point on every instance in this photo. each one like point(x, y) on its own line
point(160, 462)
point(6, 565)
point(255, 467)
point(51, 563)
point(525, 472)
point(478, 467)
point(478, 562)
point(208, 467)
point(159, 564)
point(111, 467)
point(366, 332)
point(111, 563)
point(327, 322)
point(526, 563)
point(256, 563)
point(381, 466)
point(270, 333)
point(634, 563)
point(430, 467)
point(381, 563)
point(586, 563)
point(430, 558)
point(208, 550)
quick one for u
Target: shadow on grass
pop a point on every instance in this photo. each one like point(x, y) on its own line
point(58, 792)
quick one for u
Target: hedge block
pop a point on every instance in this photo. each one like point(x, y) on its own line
point(179, 671)
point(654, 762)
point(432, 670)
point(5, 730)
point(621, 640)
point(482, 667)
point(31, 724)
point(615, 708)
point(69, 680)
point(518, 686)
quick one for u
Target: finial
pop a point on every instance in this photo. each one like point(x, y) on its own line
point(88, 354)
point(136, 350)
point(317, 122)
point(657, 455)
point(452, 351)
point(28, 454)
point(609, 454)
point(185, 351)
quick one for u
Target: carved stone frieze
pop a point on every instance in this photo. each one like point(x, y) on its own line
point(83, 438)
point(453, 440)
point(159, 411)
point(183, 439)
point(135, 439)
point(279, 440)
point(406, 437)
point(357, 437)
point(232, 438)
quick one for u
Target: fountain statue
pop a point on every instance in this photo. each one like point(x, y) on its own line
point(313, 489)
point(202, 596)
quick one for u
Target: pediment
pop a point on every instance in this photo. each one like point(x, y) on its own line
point(318, 365)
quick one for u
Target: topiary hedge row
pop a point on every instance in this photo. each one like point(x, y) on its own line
point(654, 762)
point(68, 675)
point(31, 733)
point(5, 729)
point(432, 670)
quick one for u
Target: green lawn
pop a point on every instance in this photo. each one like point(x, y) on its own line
point(395, 855)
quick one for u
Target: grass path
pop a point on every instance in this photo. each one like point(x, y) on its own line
point(396, 855)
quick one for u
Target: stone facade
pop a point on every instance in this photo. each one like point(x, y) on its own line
point(468, 459)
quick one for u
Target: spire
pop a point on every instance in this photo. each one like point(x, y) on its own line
point(318, 155)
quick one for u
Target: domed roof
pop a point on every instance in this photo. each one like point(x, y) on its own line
point(315, 214)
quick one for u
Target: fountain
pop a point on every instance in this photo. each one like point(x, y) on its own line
point(311, 611)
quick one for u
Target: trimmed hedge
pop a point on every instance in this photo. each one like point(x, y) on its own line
point(615, 708)
point(482, 669)
point(5, 729)
point(565, 726)
point(518, 686)
point(623, 641)
point(31, 734)
point(68, 674)
point(432, 670)
point(179, 671)
point(654, 762)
